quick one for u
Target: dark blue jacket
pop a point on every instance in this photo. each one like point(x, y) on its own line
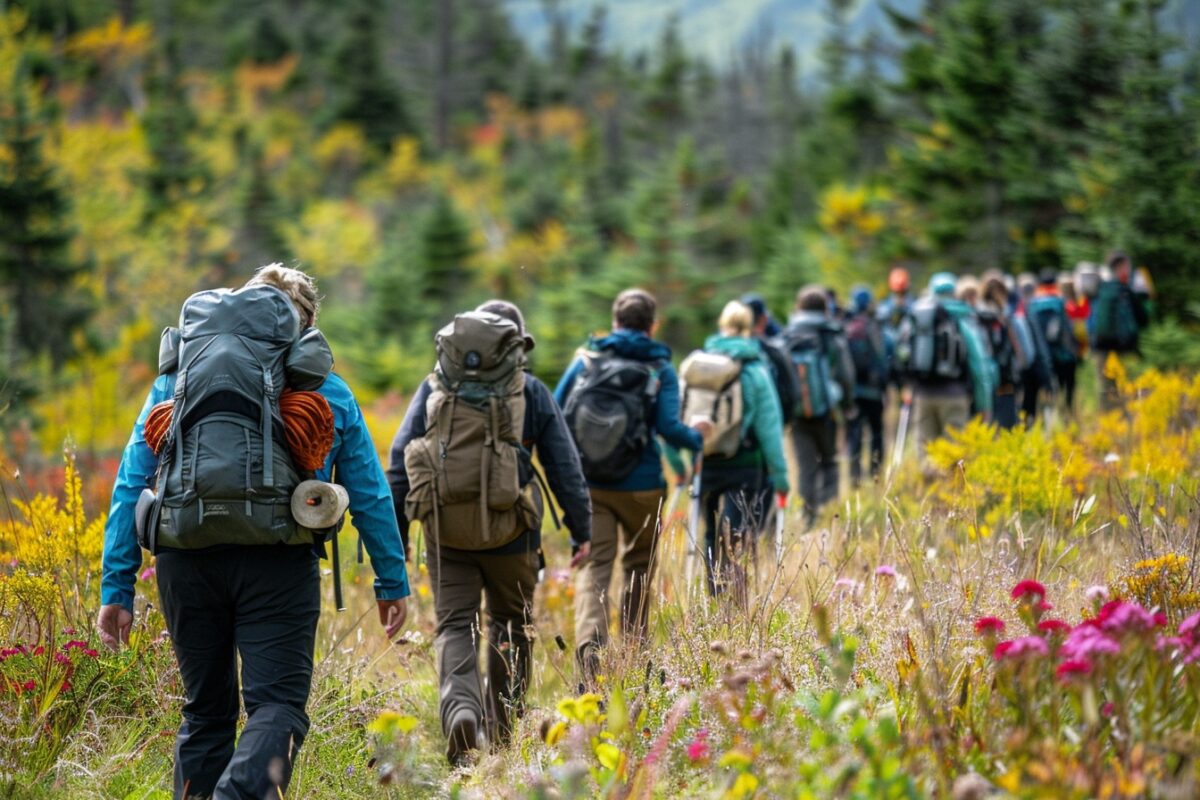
point(664, 421)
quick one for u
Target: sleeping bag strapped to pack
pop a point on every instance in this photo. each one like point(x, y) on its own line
point(608, 413)
point(712, 388)
point(472, 482)
point(225, 475)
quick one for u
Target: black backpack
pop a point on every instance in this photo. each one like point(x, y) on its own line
point(783, 375)
point(608, 413)
point(1004, 353)
point(870, 363)
point(931, 347)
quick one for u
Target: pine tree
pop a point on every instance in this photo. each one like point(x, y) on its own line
point(44, 304)
point(443, 252)
point(168, 122)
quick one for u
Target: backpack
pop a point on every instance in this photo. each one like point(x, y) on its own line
point(471, 479)
point(608, 413)
point(810, 362)
point(226, 475)
point(1004, 352)
point(1114, 326)
point(932, 345)
point(783, 375)
point(1050, 315)
point(712, 388)
point(870, 368)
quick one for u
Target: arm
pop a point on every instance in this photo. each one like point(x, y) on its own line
point(666, 419)
point(122, 556)
point(843, 368)
point(560, 460)
point(768, 425)
point(371, 510)
point(413, 427)
point(567, 382)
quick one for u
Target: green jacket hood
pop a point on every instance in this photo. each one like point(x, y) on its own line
point(741, 348)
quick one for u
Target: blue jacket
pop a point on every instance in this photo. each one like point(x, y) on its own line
point(358, 470)
point(665, 422)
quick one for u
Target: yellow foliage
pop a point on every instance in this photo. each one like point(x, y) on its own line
point(404, 167)
point(344, 147)
point(333, 235)
point(113, 42)
point(49, 534)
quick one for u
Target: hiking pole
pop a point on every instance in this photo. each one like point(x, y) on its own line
point(693, 525)
point(780, 508)
point(901, 433)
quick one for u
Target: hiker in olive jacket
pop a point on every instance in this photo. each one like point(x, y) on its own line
point(506, 576)
point(734, 485)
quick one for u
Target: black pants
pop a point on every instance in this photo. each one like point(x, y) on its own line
point(815, 444)
point(1033, 386)
point(739, 496)
point(261, 603)
point(870, 415)
point(1065, 374)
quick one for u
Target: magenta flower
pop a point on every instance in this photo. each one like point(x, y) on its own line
point(989, 625)
point(1086, 642)
point(148, 573)
point(1190, 626)
point(698, 749)
point(885, 571)
point(1026, 589)
point(1053, 626)
point(1120, 617)
point(1020, 648)
point(1073, 669)
point(1097, 593)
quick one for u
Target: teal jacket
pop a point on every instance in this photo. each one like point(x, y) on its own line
point(763, 416)
point(984, 374)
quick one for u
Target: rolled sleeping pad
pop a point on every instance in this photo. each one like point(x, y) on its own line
point(317, 504)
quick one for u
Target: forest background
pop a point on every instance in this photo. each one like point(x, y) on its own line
point(418, 157)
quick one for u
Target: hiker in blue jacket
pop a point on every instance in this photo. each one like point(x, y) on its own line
point(258, 602)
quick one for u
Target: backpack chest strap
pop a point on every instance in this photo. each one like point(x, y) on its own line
point(268, 444)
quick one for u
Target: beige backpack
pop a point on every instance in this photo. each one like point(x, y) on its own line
point(712, 388)
point(471, 480)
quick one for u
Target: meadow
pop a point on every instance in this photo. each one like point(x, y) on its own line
point(1026, 623)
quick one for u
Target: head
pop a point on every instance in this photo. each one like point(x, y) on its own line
point(967, 289)
point(943, 284)
point(1066, 287)
point(300, 288)
point(898, 280)
point(1048, 279)
point(635, 310)
point(758, 307)
point(1027, 284)
point(1120, 266)
point(503, 308)
point(860, 299)
point(994, 290)
point(736, 320)
point(812, 298)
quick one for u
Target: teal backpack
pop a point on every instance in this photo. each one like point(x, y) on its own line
point(1114, 326)
point(819, 394)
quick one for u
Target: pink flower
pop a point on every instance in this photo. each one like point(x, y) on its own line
point(1107, 709)
point(37, 651)
point(885, 571)
point(68, 631)
point(698, 749)
point(1020, 648)
point(75, 643)
point(148, 573)
point(1190, 626)
point(1026, 589)
point(989, 625)
point(1073, 669)
point(1053, 626)
point(29, 685)
point(1118, 616)
point(90, 653)
point(1043, 606)
point(1086, 642)
point(1097, 593)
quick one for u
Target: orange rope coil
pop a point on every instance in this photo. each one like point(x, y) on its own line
point(307, 426)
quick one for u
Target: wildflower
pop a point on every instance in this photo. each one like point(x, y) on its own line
point(1120, 617)
point(37, 651)
point(29, 685)
point(1097, 593)
point(75, 643)
point(885, 571)
point(1086, 642)
point(1053, 626)
point(1073, 668)
point(1044, 606)
point(1026, 589)
point(148, 573)
point(1190, 626)
point(1107, 709)
point(698, 750)
point(848, 584)
point(989, 625)
point(68, 631)
point(1019, 648)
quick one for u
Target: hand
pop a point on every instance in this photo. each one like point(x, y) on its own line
point(703, 427)
point(906, 395)
point(113, 624)
point(392, 614)
point(581, 554)
point(781, 499)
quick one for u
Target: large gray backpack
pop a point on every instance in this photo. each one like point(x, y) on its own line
point(225, 475)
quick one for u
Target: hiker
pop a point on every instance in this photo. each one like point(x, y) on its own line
point(1118, 316)
point(997, 324)
point(868, 351)
point(777, 361)
point(895, 307)
point(821, 359)
point(765, 326)
point(238, 578)
point(619, 395)
point(944, 356)
point(729, 382)
point(461, 464)
point(1078, 307)
point(1036, 371)
point(1048, 315)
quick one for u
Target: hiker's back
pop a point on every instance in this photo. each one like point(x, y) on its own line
point(226, 475)
point(807, 344)
point(610, 412)
point(865, 340)
point(1114, 321)
point(470, 477)
point(932, 350)
point(711, 383)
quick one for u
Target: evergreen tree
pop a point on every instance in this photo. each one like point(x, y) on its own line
point(44, 305)
point(444, 250)
point(257, 239)
point(168, 124)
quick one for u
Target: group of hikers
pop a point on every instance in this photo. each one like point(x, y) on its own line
point(249, 449)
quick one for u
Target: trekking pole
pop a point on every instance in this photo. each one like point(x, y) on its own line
point(780, 509)
point(901, 433)
point(693, 526)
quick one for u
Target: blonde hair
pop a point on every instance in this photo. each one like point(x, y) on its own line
point(300, 288)
point(736, 319)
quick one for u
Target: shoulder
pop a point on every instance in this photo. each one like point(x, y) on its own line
point(337, 391)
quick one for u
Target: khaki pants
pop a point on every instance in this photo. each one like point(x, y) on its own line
point(506, 583)
point(624, 522)
point(934, 414)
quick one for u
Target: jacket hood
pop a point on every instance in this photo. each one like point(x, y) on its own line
point(631, 344)
point(811, 319)
point(738, 347)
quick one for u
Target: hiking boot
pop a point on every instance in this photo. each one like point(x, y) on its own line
point(462, 738)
